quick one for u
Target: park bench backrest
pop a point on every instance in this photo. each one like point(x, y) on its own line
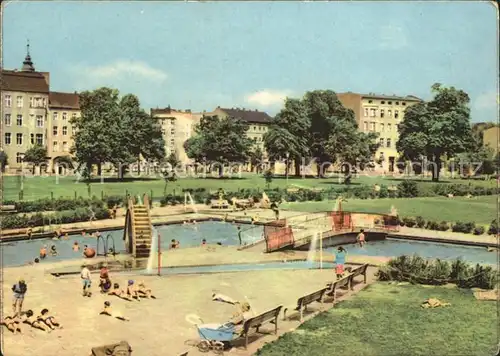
point(340, 282)
point(313, 297)
point(359, 270)
point(261, 319)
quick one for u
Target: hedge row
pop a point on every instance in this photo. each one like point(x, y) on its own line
point(464, 227)
point(56, 204)
point(418, 270)
point(62, 217)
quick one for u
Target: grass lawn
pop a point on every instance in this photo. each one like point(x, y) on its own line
point(481, 210)
point(387, 319)
point(41, 187)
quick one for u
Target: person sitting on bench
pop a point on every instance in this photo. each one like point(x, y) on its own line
point(49, 320)
point(30, 319)
point(12, 324)
point(107, 311)
point(143, 291)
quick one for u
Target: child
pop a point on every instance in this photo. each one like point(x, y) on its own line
point(107, 311)
point(340, 255)
point(361, 238)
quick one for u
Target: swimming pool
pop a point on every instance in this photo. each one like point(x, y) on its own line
point(21, 252)
point(395, 247)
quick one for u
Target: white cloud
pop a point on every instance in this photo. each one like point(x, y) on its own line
point(267, 98)
point(120, 68)
point(487, 100)
point(392, 37)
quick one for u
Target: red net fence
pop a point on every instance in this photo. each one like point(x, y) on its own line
point(341, 220)
point(278, 235)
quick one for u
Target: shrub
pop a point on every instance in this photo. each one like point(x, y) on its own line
point(432, 225)
point(113, 200)
point(172, 200)
point(409, 222)
point(463, 227)
point(57, 204)
point(493, 229)
point(420, 222)
point(408, 189)
point(443, 226)
point(415, 269)
point(383, 192)
point(478, 230)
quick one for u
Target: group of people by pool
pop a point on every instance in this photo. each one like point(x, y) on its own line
point(43, 321)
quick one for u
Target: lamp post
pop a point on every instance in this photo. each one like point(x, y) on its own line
point(287, 155)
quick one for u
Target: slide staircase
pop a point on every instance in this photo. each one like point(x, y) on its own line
point(138, 232)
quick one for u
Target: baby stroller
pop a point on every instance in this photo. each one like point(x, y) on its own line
point(215, 337)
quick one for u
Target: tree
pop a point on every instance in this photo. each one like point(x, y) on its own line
point(220, 141)
point(36, 155)
point(4, 160)
point(279, 142)
point(194, 150)
point(268, 176)
point(173, 160)
point(256, 157)
point(435, 128)
point(114, 130)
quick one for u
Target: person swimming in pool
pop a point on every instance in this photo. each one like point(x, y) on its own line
point(76, 246)
point(43, 252)
point(53, 250)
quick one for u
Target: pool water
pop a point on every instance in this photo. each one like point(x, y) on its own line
point(395, 247)
point(21, 252)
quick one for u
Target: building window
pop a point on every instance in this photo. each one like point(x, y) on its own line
point(73, 130)
point(7, 138)
point(31, 101)
point(390, 103)
point(403, 103)
point(396, 114)
point(397, 102)
point(65, 146)
point(8, 101)
point(366, 112)
point(64, 116)
point(19, 139)
point(388, 143)
point(373, 112)
point(32, 139)
point(39, 121)
point(382, 126)
point(54, 130)
point(7, 120)
point(19, 157)
point(372, 126)
point(382, 113)
point(370, 101)
point(396, 127)
point(55, 147)
point(381, 142)
point(19, 101)
point(365, 125)
point(39, 139)
point(54, 116)
point(65, 130)
point(73, 116)
point(19, 120)
point(389, 127)
point(389, 113)
point(382, 102)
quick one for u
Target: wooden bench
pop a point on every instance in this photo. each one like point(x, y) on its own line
point(358, 271)
point(256, 322)
point(332, 287)
point(304, 301)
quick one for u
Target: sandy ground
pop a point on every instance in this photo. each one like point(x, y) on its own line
point(157, 327)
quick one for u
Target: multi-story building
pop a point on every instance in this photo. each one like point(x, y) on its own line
point(25, 98)
point(177, 127)
point(381, 114)
point(63, 107)
point(258, 122)
point(491, 139)
point(29, 115)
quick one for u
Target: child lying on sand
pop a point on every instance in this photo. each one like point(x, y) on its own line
point(12, 324)
point(107, 311)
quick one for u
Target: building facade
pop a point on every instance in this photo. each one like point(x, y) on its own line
point(258, 122)
point(177, 127)
point(491, 139)
point(26, 109)
point(63, 108)
point(381, 114)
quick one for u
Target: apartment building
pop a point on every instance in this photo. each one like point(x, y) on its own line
point(491, 138)
point(258, 122)
point(381, 114)
point(177, 127)
point(63, 107)
point(25, 98)
point(31, 114)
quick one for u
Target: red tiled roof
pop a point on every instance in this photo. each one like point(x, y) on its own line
point(31, 82)
point(250, 116)
point(64, 100)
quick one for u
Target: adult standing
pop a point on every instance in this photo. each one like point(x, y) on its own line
point(19, 289)
point(274, 208)
point(86, 281)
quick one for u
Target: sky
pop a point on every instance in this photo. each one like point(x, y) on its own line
point(199, 55)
